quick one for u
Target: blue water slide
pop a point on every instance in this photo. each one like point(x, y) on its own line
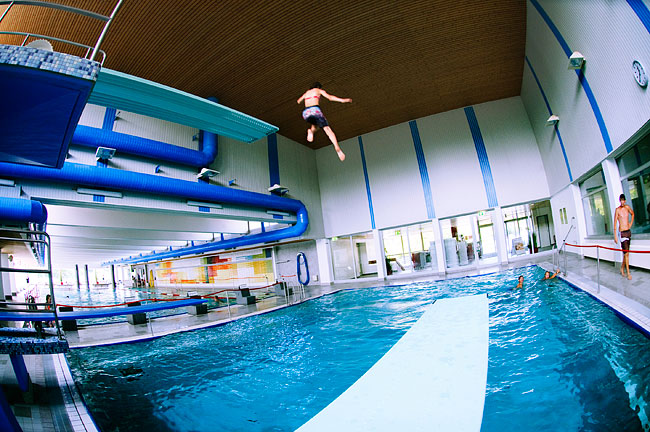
point(22, 210)
point(99, 177)
point(92, 137)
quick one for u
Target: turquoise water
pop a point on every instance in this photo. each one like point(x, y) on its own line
point(558, 360)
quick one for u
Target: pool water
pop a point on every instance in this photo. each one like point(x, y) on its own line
point(558, 360)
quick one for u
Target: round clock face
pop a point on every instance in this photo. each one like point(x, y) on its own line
point(639, 74)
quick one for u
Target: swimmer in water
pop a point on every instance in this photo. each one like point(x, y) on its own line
point(548, 274)
point(521, 282)
point(313, 115)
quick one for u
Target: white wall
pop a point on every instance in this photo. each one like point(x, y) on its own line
point(454, 172)
point(517, 168)
point(394, 177)
point(611, 37)
point(299, 173)
point(453, 167)
point(343, 190)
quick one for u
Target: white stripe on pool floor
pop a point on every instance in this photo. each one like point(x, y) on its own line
point(432, 379)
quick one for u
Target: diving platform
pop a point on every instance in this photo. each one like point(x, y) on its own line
point(432, 379)
point(43, 96)
point(116, 89)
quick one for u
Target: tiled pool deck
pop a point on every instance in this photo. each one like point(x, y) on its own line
point(53, 403)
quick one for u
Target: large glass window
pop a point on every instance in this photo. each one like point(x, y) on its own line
point(529, 228)
point(354, 256)
point(342, 258)
point(458, 237)
point(634, 168)
point(596, 205)
point(410, 248)
point(365, 255)
point(486, 246)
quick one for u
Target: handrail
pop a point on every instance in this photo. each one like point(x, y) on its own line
point(598, 248)
point(83, 12)
point(608, 248)
point(80, 45)
point(32, 238)
point(54, 6)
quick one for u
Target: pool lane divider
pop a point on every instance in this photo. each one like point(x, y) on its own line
point(433, 378)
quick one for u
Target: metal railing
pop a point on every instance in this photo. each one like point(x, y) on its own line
point(32, 237)
point(91, 51)
point(562, 249)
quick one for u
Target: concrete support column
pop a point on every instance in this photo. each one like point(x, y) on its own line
point(381, 258)
point(440, 247)
point(579, 233)
point(76, 272)
point(113, 275)
point(500, 235)
point(87, 277)
point(7, 281)
point(614, 186)
point(324, 252)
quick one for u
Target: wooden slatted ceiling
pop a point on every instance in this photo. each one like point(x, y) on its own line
point(398, 60)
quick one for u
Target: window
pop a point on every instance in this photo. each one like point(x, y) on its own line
point(409, 248)
point(354, 256)
point(342, 258)
point(596, 205)
point(458, 237)
point(529, 227)
point(634, 168)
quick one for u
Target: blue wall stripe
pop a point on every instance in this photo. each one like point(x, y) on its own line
point(641, 10)
point(109, 118)
point(274, 165)
point(424, 173)
point(581, 76)
point(550, 112)
point(365, 175)
point(483, 160)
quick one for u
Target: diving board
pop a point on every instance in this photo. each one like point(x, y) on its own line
point(137, 95)
point(97, 313)
point(432, 379)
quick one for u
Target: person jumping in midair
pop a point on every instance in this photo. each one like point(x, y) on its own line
point(313, 115)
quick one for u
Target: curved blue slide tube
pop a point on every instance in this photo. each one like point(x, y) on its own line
point(100, 177)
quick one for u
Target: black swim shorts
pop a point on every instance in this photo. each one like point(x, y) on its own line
point(314, 115)
point(626, 237)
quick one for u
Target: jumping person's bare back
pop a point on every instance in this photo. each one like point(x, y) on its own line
point(313, 114)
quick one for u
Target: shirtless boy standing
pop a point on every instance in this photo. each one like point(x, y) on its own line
point(624, 218)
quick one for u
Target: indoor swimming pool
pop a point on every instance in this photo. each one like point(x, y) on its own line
point(558, 360)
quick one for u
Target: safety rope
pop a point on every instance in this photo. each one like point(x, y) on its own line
point(605, 247)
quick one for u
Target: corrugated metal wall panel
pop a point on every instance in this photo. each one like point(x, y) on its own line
point(516, 165)
point(547, 140)
point(299, 173)
point(394, 177)
point(456, 180)
point(343, 190)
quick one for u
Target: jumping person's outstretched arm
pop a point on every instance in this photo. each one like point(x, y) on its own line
point(335, 98)
point(300, 99)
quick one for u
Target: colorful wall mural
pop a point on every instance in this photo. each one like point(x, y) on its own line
point(235, 268)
